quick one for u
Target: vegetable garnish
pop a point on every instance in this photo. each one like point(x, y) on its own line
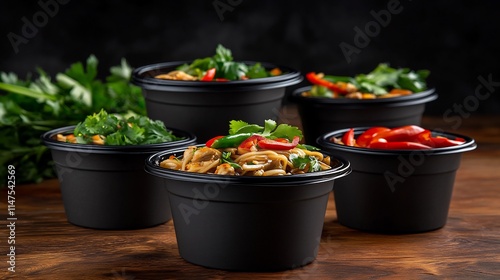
point(271, 136)
point(382, 82)
point(252, 150)
point(410, 137)
point(219, 68)
point(107, 129)
point(35, 105)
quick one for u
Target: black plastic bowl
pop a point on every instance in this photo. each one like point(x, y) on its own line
point(395, 191)
point(322, 115)
point(105, 187)
point(247, 223)
point(205, 108)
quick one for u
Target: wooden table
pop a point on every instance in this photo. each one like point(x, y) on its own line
point(48, 247)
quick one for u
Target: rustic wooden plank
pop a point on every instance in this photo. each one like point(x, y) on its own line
point(48, 247)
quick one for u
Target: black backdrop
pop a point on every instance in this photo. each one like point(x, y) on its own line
point(458, 41)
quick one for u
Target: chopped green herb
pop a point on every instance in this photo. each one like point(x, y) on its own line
point(138, 130)
point(307, 162)
point(226, 158)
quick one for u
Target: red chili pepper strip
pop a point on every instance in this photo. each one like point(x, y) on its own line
point(211, 141)
point(399, 134)
point(348, 138)
point(209, 75)
point(398, 145)
point(278, 144)
point(366, 137)
point(315, 79)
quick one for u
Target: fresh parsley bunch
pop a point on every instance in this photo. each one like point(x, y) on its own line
point(30, 107)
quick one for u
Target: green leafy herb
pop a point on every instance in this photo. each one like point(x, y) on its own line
point(135, 130)
point(226, 67)
point(286, 131)
point(234, 126)
point(226, 158)
point(379, 81)
point(257, 71)
point(269, 126)
point(222, 54)
point(270, 130)
point(32, 106)
point(307, 162)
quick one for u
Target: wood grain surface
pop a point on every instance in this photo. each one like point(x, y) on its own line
point(468, 247)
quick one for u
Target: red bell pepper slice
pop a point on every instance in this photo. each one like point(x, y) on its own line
point(315, 79)
point(437, 142)
point(397, 145)
point(399, 134)
point(250, 142)
point(348, 138)
point(221, 80)
point(441, 142)
point(366, 137)
point(210, 142)
point(209, 75)
point(279, 144)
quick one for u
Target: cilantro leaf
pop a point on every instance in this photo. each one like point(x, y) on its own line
point(99, 123)
point(257, 71)
point(238, 127)
point(307, 162)
point(222, 54)
point(235, 126)
point(136, 130)
point(231, 70)
point(383, 78)
point(270, 130)
point(269, 126)
point(286, 131)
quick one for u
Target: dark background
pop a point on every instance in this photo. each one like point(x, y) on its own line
point(458, 41)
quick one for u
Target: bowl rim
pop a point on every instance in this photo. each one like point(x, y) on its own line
point(50, 142)
point(412, 99)
point(343, 168)
point(323, 142)
point(292, 77)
